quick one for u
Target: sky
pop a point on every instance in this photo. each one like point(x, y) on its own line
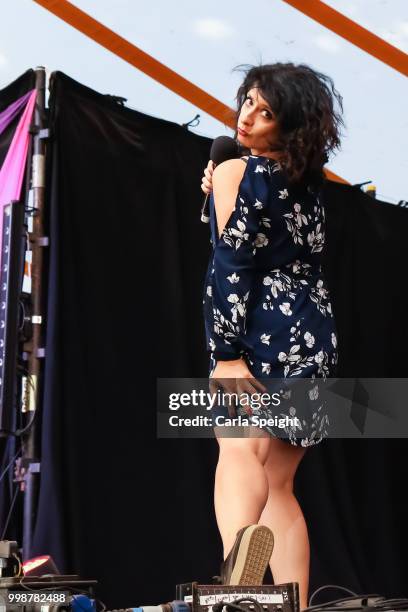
point(204, 41)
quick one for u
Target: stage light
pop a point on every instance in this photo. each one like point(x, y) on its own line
point(40, 566)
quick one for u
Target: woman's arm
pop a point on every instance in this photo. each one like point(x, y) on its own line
point(238, 224)
point(233, 263)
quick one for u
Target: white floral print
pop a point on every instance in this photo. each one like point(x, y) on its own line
point(266, 368)
point(238, 307)
point(285, 308)
point(319, 294)
point(309, 339)
point(234, 278)
point(261, 240)
point(223, 327)
point(275, 284)
point(291, 356)
point(315, 239)
point(294, 222)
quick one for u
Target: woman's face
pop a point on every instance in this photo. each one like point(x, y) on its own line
point(257, 127)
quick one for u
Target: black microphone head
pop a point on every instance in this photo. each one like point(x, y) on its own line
point(223, 148)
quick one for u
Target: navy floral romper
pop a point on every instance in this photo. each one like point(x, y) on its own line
point(265, 296)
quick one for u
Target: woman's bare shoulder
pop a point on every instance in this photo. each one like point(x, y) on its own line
point(230, 171)
point(226, 180)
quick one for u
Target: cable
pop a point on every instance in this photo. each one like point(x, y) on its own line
point(233, 605)
point(14, 499)
point(6, 524)
point(335, 601)
point(20, 567)
point(332, 586)
point(20, 432)
point(9, 464)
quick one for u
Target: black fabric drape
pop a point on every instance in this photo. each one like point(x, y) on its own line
point(127, 259)
point(364, 266)
point(9, 446)
point(127, 262)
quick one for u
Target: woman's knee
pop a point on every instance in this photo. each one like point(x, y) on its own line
point(281, 464)
point(252, 446)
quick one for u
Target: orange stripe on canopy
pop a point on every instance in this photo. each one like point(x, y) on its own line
point(138, 58)
point(146, 63)
point(335, 177)
point(353, 32)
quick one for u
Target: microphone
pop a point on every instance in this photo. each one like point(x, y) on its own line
point(222, 148)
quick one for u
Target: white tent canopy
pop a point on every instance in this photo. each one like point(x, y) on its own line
point(204, 42)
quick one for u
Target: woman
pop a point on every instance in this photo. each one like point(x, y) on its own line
point(266, 304)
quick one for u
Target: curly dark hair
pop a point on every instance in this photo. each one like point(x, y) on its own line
point(309, 123)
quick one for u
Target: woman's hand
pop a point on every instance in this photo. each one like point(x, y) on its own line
point(206, 181)
point(235, 377)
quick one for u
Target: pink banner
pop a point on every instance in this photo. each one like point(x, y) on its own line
point(12, 170)
point(7, 115)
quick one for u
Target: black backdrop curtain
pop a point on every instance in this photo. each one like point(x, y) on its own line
point(127, 262)
point(9, 446)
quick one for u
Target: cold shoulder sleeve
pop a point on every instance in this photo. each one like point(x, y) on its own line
point(233, 268)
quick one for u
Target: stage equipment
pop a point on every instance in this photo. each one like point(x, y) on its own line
point(265, 598)
point(40, 566)
point(12, 172)
point(33, 350)
point(194, 597)
point(21, 312)
point(39, 593)
point(371, 191)
point(12, 263)
point(170, 606)
point(361, 603)
point(9, 561)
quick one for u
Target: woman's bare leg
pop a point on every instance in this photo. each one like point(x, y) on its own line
point(241, 485)
point(283, 515)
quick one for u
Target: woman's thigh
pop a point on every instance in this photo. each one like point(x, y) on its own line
point(282, 462)
point(252, 440)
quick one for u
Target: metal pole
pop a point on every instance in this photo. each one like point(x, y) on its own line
point(34, 348)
